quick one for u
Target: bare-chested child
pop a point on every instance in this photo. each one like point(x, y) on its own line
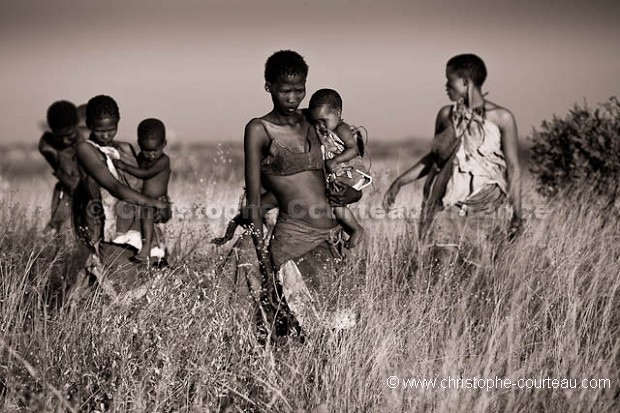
point(154, 170)
point(58, 149)
point(339, 148)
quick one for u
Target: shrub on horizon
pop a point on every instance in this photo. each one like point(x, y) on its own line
point(581, 149)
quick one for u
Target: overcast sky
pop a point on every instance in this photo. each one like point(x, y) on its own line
point(198, 65)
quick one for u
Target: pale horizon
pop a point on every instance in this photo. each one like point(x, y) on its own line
point(198, 66)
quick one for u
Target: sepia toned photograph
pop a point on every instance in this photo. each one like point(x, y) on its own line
point(309, 206)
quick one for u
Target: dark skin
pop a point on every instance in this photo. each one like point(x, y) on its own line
point(461, 88)
point(350, 147)
point(49, 151)
point(93, 163)
point(68, 173)
point(327, 119)
point(58, 149)
point(154, 170)
point(303, 191)
point(302, 194)
point(268, 202)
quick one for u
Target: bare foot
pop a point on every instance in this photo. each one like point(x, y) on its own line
point(356, 237)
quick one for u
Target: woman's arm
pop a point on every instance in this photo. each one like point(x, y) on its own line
point(510, 147)
point(93, 166)
point(417, 171)
point(422, 167)
point(254, 141)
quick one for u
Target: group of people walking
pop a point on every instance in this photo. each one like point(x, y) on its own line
point(306, 164)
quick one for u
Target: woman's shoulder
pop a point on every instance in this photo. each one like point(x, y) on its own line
point(443, 119)
point(255, 127)
point(444, 112)
point(497, 113)
point(84, 146)
point(255, 134)
point(86, 153)
point(255, 122)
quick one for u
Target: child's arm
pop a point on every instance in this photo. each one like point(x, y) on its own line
point(69, 181)
point(350, 146)
point(49, 153)
point(158, 167)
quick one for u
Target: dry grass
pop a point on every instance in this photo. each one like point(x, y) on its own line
point(547, 307)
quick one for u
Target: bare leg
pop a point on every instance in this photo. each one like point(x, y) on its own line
point(56, 218)
point(148, 227)
point(346, 218)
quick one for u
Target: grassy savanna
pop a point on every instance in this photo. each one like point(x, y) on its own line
point(546, 307)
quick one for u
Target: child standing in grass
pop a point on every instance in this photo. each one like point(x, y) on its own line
point(154, 170)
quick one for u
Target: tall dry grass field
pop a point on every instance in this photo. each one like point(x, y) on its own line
point(547, 307)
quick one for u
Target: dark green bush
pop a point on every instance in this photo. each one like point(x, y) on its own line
point(581, 149)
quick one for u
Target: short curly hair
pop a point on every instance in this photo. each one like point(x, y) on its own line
point(152, 128)
point(327, 97)
point(285, 63)
point(469, 66)
point(62, 114)
point(101, 106)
